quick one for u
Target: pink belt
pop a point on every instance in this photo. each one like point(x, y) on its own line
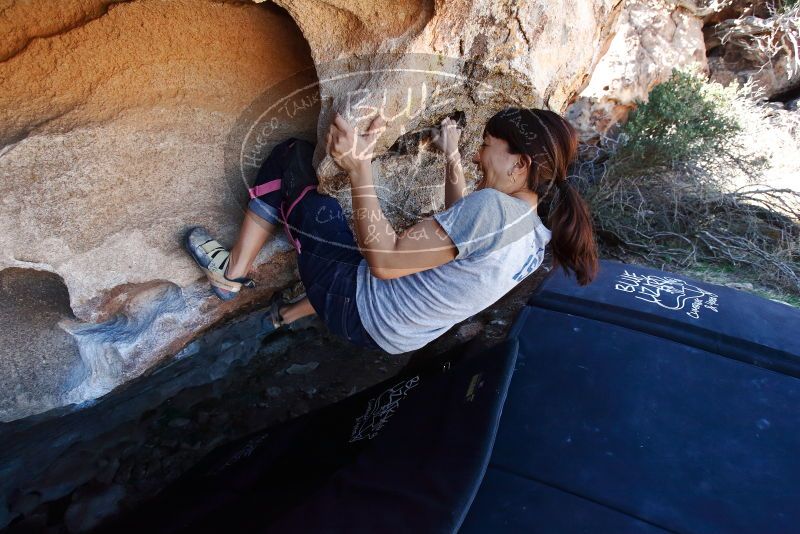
point(274, 185)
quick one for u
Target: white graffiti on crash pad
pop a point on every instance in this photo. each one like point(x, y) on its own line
point(668, 292)
point(380, 409)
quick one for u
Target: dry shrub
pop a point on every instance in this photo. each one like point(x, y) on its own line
point(764, 40)
point(678, 186)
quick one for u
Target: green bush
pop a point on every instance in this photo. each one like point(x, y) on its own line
point(675, 189)
point(684, 119)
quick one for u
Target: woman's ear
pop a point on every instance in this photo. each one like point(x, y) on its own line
point(520, 163)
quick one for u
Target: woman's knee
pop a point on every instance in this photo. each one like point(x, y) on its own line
point(258, 208)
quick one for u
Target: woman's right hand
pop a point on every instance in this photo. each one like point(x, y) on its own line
point(446, 137)
point(349, 148)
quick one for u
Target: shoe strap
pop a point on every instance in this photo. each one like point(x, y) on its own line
point(220, 258)
point(244, 280)
point(220, 281)
point(218, 254)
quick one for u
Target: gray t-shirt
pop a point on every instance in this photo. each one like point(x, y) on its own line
point(500, 241)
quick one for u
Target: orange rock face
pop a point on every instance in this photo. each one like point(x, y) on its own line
point(115, 120)
point(123, 123)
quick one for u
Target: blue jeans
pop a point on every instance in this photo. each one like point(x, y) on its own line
point(328, 259)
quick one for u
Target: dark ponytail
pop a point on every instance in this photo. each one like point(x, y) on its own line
point(552, 144)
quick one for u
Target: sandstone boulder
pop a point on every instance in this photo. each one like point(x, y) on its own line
point(125, 123)
point(115, 122)
point(762, 50)
point(651, 38)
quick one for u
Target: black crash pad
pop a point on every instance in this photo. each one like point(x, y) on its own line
point(633, 432)
point(711, 317)
point(643, 403)
point(406, 455)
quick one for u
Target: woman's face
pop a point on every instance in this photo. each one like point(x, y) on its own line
point(494, 164)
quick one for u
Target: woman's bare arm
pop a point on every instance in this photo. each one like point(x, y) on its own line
point(445, 138)
point(390, 255)
point(454, 182)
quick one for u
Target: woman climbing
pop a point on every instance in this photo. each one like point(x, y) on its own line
point(398, 291)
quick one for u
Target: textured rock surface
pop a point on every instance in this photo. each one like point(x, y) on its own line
point(21, 21)
point(113, 135)
point(737, 50)
point(125, 447)
point(38, 360)
point(114, 129)
point(124, 123)
point(529, 53)
point(652, 37)
point(714, 11)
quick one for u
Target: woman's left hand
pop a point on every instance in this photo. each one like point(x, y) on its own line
point(350, 149)
point(446, 137)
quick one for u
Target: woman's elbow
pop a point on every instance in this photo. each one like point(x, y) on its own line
point(376, 271)
point(395, 272)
